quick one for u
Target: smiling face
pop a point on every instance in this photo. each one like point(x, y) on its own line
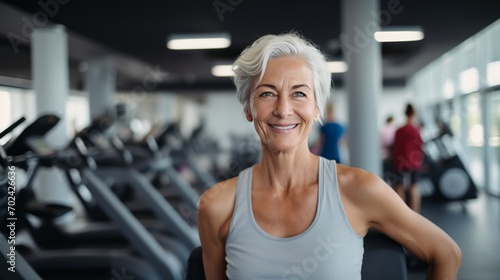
point(282, 104)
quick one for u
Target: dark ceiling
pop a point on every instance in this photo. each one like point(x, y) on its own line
point(135, 32)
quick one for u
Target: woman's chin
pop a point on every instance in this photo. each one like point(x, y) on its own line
point(282, 147)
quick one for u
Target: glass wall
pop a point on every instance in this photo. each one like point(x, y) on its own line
point(16, 103)
point(475, 137)
point(494, 142)
point(463, 85)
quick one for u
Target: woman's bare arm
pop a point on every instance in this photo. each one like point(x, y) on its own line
point(214, 213)
point(377, 204)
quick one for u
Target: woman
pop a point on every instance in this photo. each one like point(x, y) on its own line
point(295, 215)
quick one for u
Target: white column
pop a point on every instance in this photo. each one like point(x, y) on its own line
point(363, 81)
point(50, 75)
point(486, 108)
point(100, 85)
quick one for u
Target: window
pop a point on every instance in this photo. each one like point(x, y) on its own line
point(494, 143)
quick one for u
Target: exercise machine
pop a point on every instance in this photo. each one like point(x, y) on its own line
point(445, 177)
point(155, 257)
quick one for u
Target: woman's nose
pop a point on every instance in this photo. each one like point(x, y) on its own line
point(283, 107)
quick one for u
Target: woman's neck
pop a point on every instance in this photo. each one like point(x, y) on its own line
point(285, 170)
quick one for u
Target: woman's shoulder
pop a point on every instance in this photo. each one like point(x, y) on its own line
point(349, 174)
point(364, 194)
point(356, 182)
point(215, 209)
point(219, 199)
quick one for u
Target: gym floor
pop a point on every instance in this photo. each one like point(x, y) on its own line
point(475, 226)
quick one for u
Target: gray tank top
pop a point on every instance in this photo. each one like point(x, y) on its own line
point(328, 249)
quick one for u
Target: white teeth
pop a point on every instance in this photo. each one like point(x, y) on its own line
point(284, 127)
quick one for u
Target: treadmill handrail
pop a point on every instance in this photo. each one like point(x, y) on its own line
point(12, 127)
point(157, 203)
point(134, 231)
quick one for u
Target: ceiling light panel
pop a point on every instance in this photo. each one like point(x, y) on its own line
point(399, 34)
point(198, 41)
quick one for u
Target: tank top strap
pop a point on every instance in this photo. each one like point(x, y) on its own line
point(332, 194)
point(328, 168)
point(242, 208)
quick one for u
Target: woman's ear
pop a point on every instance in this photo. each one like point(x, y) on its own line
point(248, 115)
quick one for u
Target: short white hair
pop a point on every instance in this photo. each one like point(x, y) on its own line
point(253, 60)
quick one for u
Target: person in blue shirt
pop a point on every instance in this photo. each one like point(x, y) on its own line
point(331, 134)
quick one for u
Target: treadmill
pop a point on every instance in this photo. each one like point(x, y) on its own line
point(155, 259)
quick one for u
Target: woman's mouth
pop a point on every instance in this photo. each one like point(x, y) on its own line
point(283, 127)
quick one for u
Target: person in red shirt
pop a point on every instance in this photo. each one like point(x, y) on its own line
point(407, 159)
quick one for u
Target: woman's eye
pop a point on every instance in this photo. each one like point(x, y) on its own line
point(299, 94)
point(266, 94)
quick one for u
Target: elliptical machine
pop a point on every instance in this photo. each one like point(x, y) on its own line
point(447, 177)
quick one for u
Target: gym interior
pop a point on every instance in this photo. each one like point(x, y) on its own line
point(109, 134)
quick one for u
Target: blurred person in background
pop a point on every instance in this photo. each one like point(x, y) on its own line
point(387, 133)
point(407, 159)
point(331, 136)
